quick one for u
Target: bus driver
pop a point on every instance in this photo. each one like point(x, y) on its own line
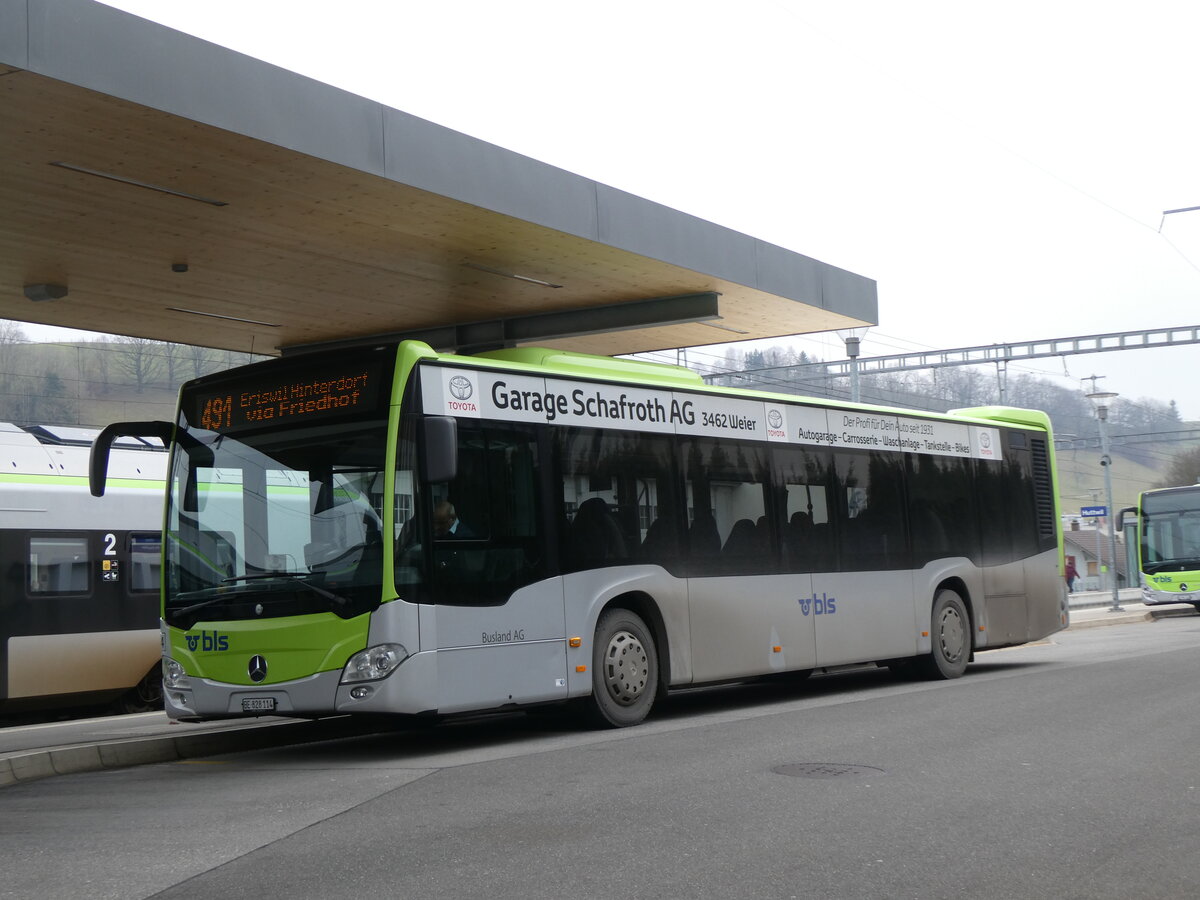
point(447, 526)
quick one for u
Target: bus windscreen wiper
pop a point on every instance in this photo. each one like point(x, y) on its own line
point(298, 576)
point(321, 592)
point(177, 613)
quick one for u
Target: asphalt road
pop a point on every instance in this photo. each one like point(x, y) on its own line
point(1063, 769)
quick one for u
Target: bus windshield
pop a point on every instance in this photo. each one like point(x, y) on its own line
point(277, 523)
point(1171, 531)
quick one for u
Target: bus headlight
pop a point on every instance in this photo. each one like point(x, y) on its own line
point(374, 663)
point(173, 674)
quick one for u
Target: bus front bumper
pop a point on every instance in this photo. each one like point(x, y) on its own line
point(205, 699)
point(1152, 597)
point(409, 689)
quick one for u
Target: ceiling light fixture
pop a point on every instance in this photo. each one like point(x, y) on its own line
point(723, 327)
point(196, 312)
point(142, 184)
point(38, 292)
point(503, 274)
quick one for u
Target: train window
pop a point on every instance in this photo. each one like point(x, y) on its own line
point(145, 560)
point(58, 565)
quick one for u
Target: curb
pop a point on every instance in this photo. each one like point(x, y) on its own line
point(1111, 619)
point(1104, 616)
point(31, 765)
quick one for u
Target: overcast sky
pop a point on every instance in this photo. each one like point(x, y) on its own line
point(1000, 170)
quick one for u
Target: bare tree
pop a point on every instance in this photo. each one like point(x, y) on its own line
point(200, 359)
point(140, 358)
point(1184, 469)
point(11, 335)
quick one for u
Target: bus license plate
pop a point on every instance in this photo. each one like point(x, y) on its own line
point(258, 704)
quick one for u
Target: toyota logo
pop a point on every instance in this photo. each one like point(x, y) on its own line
point(774, 418)
point(461, 387)
point(257, 668)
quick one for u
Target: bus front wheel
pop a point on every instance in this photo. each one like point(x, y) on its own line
point(624, 670)
point(951, 636)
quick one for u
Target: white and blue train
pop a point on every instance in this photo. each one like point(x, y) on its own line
point(79, 587)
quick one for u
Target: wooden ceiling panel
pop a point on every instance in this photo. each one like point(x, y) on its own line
point(305, 249)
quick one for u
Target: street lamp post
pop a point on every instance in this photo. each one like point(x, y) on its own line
point(1100, 400)
point(853, 338)
point(1099, 553)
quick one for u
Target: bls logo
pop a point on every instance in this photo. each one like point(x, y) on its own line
point(823, 605)
point(208, 641)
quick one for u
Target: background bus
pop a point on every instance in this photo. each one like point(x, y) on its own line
point(79, 607)
point(627, 530)
point(1168, 544)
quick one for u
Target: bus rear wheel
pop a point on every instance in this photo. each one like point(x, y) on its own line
point(624, 670)
point(951, 636)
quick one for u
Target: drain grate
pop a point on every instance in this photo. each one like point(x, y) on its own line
point(825, 770)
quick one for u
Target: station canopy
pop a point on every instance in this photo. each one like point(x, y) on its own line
point(159, 186)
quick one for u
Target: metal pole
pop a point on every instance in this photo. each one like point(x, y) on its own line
point(852, 345)
point(1106, 462)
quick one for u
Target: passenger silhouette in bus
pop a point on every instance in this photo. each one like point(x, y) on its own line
point(447, 526)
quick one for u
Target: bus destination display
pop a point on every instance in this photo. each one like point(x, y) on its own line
point(287, 398)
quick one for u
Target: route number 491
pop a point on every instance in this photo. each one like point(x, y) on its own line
point(217, 413)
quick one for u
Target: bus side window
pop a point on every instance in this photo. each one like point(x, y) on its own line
point(496, 546)
point(940, 508)
point(807, 532)
point(727, 486)
point(618, 499)
point(871, 522)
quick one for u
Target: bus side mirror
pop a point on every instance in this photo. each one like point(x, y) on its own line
point(98, 461)
point(439, 437)
point(1119, 522)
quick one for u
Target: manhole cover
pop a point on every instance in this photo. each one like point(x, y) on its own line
point(825, 770)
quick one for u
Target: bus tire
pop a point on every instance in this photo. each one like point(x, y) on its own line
point(624, 670)
point(950, 632)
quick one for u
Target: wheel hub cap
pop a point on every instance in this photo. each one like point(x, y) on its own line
point(951, 635)
point(625, 668)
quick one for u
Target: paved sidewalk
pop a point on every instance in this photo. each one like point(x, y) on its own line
point(1092, 608)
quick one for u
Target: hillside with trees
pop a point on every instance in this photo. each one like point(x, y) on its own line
point(110, 379)
point(95, 382)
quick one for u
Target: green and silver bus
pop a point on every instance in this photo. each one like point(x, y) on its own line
point(388, 529)
point(1168, 542)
